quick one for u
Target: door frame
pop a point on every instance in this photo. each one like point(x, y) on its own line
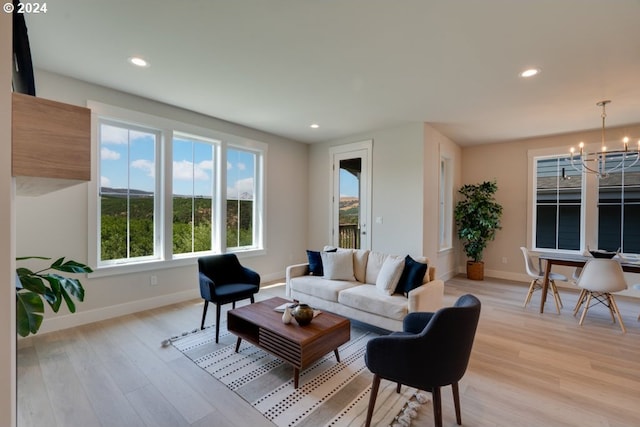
point(364, 150)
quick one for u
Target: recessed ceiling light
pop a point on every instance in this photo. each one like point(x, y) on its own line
point(314, 126)
point(138, 62)
point(530, 72)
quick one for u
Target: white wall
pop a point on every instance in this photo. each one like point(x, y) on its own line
point(405, 190)
point(55, 224)
point(7, 236)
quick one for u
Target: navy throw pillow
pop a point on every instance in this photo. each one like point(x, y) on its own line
point(315, 262)
point(412, 275)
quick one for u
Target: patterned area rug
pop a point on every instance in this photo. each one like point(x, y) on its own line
point(330, 393)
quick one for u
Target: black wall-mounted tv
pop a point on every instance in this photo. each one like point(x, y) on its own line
point(23, 80)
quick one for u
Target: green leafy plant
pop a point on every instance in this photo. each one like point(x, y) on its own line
point(33, 286)
point(477, 217)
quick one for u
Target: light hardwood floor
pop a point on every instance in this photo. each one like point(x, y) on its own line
point(526, 369)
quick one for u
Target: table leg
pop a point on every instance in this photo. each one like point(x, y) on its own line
point(238, 343)
point(545, 286)
point(296, 377)
point(337, 355)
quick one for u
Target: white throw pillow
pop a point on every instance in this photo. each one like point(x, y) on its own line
point(338, 265)
point(375, 260)
point(360, 264)
point(389, 275)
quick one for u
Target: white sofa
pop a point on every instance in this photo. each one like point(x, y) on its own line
point(360, 298)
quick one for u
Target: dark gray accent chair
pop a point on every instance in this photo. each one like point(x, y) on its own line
point(432, 351)
point(224, 280)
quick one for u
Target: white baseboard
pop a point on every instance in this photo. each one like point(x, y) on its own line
point(58, 323)
point(103, 313)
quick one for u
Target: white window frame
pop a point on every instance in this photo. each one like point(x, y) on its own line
point(157, 209)
point(167, 128)
point(259, 150)
point(589, 208)
point(216, 202)
point(445, 200)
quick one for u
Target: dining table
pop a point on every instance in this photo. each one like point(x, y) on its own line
point(571, 260)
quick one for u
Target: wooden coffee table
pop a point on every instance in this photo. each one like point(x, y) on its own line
point(297, 345)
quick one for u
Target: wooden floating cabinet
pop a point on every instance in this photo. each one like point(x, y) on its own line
point(51, 144)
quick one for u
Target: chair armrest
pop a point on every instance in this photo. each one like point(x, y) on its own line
point(414, 323)
point(251, 276)
point(206, 285)
point(292, 271)
point(428, 297)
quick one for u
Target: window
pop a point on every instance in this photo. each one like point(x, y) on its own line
point(558, 205)
point(446, 204)
point(572, 211)
point(194, 160)
point(128, 202)
point(619, 209)
point(241, 178)
point(162, 191)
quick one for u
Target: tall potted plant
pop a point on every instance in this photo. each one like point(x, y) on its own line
point(477, 218)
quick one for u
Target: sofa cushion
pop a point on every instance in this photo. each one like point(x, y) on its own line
point(360, 257)
point(368, 299)
point(320, 287)
point(338, 265)
point(389, 275)
point(412, 275)
point(374, 264)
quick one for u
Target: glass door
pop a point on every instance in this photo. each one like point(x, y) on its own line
point(350, 198)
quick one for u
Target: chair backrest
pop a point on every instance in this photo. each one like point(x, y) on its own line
point(602, 275)
point(448, 339)
point(222, 269)
point(532, 270)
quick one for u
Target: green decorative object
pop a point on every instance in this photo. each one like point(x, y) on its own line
point(33, 286)
point(477, 218)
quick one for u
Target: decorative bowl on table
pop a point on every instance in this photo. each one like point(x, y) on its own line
point(303, 313)
point(603, 254)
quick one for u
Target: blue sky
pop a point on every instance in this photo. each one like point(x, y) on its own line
point(348, 184)
point(130, 155)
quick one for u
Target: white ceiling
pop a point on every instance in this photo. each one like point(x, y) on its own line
point(358, 65)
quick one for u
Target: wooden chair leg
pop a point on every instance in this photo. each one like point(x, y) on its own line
point(372, 399)
point(456, 402)
point(556, 296)
point(614, 306)
point(530, 292)
point(204, 313)
point(581, 297)
point(609, 304)
point(586, 307)
point(437, 407)
point(217, 322)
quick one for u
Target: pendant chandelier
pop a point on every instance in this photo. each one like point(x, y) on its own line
point(603, 162)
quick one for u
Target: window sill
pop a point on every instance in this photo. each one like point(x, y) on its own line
point(153, 265)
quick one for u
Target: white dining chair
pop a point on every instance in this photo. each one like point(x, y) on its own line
point(600, 278)
point(537, 275)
